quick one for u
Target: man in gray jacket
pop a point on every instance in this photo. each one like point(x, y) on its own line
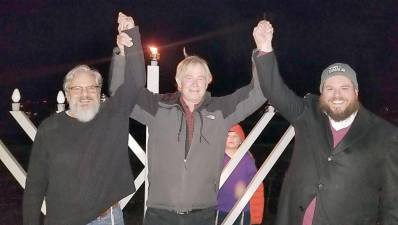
point(187, 134)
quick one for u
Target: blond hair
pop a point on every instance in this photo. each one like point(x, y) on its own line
point(183, 66)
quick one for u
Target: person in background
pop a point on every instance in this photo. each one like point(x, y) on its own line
point(235, 186)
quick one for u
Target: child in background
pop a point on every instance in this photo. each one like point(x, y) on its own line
point(235, 186)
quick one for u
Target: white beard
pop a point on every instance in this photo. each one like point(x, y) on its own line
point(84, 114)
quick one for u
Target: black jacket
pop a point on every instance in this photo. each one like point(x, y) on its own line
point(354, 183)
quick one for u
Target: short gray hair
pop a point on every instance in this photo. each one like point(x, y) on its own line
point(81, 69)
point(194, 60)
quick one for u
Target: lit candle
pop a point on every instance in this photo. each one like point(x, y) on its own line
point(153, 70)
point(154, 55)
point(153, 86)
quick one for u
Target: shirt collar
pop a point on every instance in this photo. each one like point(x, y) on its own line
point(338, 125)
point(185, 106)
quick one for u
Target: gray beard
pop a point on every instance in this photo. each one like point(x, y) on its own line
point(339, 116)
point(85, 115)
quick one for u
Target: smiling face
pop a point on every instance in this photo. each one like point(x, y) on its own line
point(83, 95)
point(339, 98)
point(193, 84)
point(192, 77)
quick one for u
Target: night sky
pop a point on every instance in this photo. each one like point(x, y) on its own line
point(41, 40)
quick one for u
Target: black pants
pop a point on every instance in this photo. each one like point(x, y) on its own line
point(155, 216)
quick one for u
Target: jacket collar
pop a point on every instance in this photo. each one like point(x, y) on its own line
point(358, 129)
point(170, 100)
point(327, 131)
point(338, 125)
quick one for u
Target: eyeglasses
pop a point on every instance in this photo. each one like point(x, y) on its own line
point(79, 89)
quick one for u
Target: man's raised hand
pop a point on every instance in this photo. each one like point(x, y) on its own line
point(125, 22)
point(122, 39)
point(263, 34)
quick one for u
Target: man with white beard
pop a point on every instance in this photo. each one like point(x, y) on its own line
point(79, 161)
point(82, 86)
point(344, 167)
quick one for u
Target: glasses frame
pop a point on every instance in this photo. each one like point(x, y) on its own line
point(78, 90)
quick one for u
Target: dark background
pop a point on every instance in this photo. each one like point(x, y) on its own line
point(41, 40)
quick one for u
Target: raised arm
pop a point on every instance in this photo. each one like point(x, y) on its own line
point(125, 61)
point(131, 78)
point(275, 90)
point(244, 101)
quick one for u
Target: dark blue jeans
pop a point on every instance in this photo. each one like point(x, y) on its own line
point(113, 217)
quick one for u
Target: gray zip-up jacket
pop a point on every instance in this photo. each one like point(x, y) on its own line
point(175, 182)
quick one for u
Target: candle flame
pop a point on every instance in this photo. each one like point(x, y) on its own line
point(153, 50)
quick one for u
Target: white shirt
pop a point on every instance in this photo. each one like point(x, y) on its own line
point(338, 125)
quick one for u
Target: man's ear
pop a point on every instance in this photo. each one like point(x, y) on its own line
point(67, 95)
point(209, 79)
point(178, 81)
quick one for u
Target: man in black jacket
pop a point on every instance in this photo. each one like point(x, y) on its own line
point(344, 168)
